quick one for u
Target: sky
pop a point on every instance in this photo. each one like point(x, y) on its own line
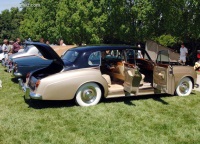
point(7, 4)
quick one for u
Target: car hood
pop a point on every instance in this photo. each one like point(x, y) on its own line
point(47, 52)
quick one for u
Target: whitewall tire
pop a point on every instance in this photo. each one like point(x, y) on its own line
point(184, 87)
point(88, 94)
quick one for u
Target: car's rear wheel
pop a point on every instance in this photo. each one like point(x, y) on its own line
point(184, 87)
point(88, 94)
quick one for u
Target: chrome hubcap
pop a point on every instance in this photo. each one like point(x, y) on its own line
point(184, 87)
point(88, 95)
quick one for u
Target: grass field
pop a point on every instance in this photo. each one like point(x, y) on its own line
point(148, 119)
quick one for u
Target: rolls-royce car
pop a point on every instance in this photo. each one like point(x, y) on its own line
point(106, 71)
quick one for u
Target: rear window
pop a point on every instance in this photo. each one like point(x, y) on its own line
point(94, 59)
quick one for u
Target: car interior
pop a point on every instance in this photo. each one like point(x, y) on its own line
point(118, 67)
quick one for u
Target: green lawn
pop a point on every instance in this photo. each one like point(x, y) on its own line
point(149, 119)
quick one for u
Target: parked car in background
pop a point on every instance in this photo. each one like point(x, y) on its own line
point(19, 66)
point(22, 65)
point(28, 51)
point(106, 71)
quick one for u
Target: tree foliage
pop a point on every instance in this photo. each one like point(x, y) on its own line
point(104, 21)
point(9, 24)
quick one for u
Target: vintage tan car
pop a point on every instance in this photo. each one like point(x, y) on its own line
point(106, 71)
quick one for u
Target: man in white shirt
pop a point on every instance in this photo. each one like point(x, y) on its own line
point(183, 54)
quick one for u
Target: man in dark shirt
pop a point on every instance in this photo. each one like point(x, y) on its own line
point(16, 45)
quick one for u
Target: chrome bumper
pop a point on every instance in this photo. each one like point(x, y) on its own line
point(9, 68)
point(28, 93)
point(16, 74)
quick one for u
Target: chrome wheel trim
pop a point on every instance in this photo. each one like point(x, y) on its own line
point(88, 94)
point(184, 87)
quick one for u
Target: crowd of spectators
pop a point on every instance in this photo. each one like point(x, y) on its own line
point(11, 47)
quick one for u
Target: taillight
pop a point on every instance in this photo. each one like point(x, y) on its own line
point(37, 83)
point(28, 75)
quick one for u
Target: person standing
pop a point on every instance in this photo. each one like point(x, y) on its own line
point(47, 42)
point(42, 40)
point(5, 46)
point(183, 54)
point(16, 45)
point(10, 47)
point(62, 43)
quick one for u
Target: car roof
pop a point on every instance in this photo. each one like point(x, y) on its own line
point(103, 47)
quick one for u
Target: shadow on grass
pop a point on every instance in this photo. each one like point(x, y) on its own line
point(15, 80)
point(41, 104)
point(129, 100)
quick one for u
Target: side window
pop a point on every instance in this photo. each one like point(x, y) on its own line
point(94, 59)
point(117, 55)
point(112, 55)
point(130, 56)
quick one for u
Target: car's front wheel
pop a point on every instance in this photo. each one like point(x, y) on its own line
point(184, 87)
point(88, 94)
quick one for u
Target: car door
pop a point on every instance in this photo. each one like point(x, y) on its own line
point(163, 78)
point(132, 75)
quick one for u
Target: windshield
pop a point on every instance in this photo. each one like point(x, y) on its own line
point(70, 56)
